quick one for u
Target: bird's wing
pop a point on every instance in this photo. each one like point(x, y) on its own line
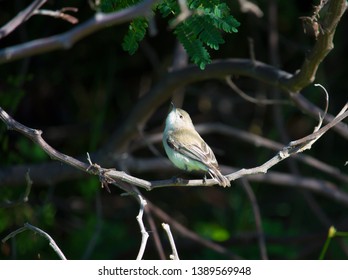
point(193, 147)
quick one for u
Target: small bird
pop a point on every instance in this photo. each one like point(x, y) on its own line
point(186, 149)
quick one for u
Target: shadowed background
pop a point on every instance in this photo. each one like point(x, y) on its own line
point(79, 97)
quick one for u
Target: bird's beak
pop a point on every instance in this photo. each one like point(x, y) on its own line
point(172, 107)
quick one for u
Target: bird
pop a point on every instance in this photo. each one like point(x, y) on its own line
point(186, 149)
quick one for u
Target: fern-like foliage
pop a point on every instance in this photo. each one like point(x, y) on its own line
point(137, 28)
point(136, 32)
point(198, 33)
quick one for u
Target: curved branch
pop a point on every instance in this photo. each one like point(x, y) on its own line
point(27, 226)
point(20, 18)
point(35, 136)
point(144, 233)
point(257, 217)
point(174, 255)
point(324, 44)
point(68, 39)
point(218, 69)
point(125, 181)
point(164, 89)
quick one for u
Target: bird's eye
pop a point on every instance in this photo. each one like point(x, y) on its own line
point(181, 116)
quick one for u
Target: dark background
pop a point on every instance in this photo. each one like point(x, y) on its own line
point(80, 96)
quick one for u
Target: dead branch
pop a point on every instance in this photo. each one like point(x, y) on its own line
point(68, 39)
point(28, 226)
point(324, 44)
point(124, 181)
point(257, 216)
point(20, 18)
point(174, 255)
point(182, 230)
point(61, 14)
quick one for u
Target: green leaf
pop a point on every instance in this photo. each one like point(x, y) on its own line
point(136, 32)
point(204, 28)
point(194, 47)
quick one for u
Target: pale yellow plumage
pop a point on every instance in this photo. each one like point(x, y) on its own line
point(186, 148)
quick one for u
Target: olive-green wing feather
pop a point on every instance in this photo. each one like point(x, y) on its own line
point(192, 146)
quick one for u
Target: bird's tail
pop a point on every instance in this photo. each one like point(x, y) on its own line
point(217, 176)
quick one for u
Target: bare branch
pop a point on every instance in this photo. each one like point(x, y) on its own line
point(174, 255)
point(92, 244)
point(154, 234)
point(59, 14)
point(307, 141)
point(184, 13)
point(308, 107)
point(24, 198)
point(322, 117)
point(322, 187)
point(123, 180)
point(231, 132)
point(247, 6)
point(35, 136)
point(141, 112)
point(251, 99)
point(20, 18)
point(257, 216)
point(324, 44)
point(295, 147)
point(27, 226)
point(190, 234)
point(144, 234)
point(68, 39)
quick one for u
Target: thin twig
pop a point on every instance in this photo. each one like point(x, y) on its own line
point(324, 44)
point(28, 226)
point(191, 234)
point(307, 141)
point(150, 146)
point(97, 228)
point(59, 14)
point(144, 233)
point(322, 117)
point(183, 15)
point(154, 234)
point(68, 39)
point(122, 179)
point(20, 18)
point(251, 99)
point(24, 198)
point(148, 103)
point(245, 137)
point(294, 147)
point(250, 7)
point(174, 255)
point(325, 188)
point(257, 216)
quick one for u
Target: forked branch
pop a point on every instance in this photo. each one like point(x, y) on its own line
point(123, 179)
